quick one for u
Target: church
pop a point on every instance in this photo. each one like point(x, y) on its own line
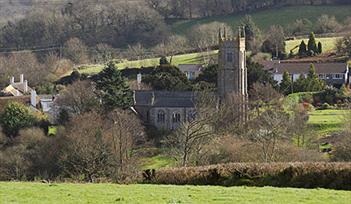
point(167, 110)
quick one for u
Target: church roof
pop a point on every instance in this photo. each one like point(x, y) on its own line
point(164, 98)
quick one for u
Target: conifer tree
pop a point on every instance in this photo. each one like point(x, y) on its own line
point(302, 49)
point(311, 45)
point(313, 83)
point(320, 49)
point(113, 88)
point(285, 85)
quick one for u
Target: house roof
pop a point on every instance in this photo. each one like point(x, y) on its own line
point(299, 68)
point(16, 89)
point(164, 98)
point(19, 99)
point(190, 67)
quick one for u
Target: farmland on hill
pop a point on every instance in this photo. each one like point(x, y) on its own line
point(110, 193)
point(328, 44)
point(265, 18)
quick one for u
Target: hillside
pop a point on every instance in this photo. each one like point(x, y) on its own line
point(110, 193)
point(265, 18)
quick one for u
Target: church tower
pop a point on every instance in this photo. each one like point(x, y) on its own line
point(232, 70)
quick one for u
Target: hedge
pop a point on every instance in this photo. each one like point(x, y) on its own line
point(297, 175)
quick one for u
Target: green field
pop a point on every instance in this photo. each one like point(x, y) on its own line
point(264, 19)
point(30, 193)
point(193, 58)
point(158, 162)
point(327, 121)
point(328, 44)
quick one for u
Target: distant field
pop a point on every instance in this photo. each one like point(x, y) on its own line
point(193, 58)
point(29, 193)
point(264, 19)
point(328, 44)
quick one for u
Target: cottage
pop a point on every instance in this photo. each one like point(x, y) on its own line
point(192, 71)
point(335, 74)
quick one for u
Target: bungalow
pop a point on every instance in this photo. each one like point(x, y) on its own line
point(335, 74)
point(191, 71)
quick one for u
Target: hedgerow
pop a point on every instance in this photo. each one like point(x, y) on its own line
point(298, 175)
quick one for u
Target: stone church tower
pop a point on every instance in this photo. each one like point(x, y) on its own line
point(232, 71)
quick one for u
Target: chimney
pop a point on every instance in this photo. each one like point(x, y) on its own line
point(25, 86)
point(12, 80)
point(21, 78)
point(139, 79)
point(33, 98)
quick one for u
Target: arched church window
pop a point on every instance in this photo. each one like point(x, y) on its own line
point(161, 116)
point(176, 118)
point(230, 57)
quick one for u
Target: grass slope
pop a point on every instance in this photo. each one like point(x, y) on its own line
point(193, 58)
point(327, 121)
point(264, 19)
point(109, 193)
point(328, 44)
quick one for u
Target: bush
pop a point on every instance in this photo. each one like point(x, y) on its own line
point(326, 106)
point(298, 175)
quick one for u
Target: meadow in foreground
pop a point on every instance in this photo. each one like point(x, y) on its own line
point(110, 193)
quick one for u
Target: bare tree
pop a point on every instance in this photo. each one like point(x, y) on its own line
point(173, 45)
point(125, 132)
point(78, 98)
point(267, 130)
point(188, 141)
point(76, 50)
point(86, 153)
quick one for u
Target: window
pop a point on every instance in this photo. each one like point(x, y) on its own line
point(230, 57)
point(337, 76)
point(321, 76)
point(176, 118)
point(161, 116)
point(329, 76)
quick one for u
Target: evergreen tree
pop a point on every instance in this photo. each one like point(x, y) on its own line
point(302, 49)
point(164, 61)
point(300, 84)
point(311, 45)
point(253, 34)
point(167, 77)
point(114, 91)
point(285, 85)
point(320, 49)
point(313, 83)
point(15, 117)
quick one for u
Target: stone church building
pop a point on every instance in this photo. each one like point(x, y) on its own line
point(167, 110)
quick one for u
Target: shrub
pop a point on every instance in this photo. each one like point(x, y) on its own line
point(300, 175)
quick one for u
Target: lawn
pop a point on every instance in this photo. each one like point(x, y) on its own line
point(328, 44)
point(265, 18)
point(11, 193)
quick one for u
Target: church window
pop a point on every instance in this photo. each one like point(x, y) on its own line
point(161, 116)
point(230, 57)
point(176, 118)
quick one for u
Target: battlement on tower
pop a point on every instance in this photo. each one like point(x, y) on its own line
point(237, 41)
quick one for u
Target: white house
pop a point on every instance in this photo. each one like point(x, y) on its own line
point(335, 74)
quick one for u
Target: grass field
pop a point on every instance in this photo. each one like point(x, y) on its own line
point(158, 162)
point(327, 121)
point(264, 19)
point(193, 58)
point(30, 193)
point(328, 44)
